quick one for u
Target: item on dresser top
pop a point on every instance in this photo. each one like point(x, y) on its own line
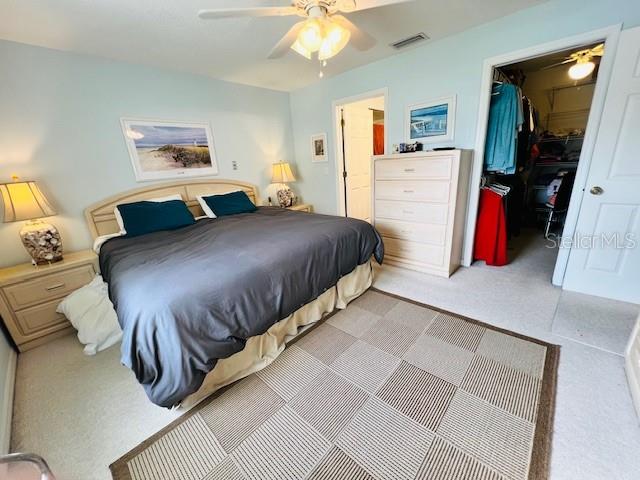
point(411, 147)
point(91, 313)
point(167, 198)
point(282, 174)
point(25, 201)
point(140, 218)
point(231, 203)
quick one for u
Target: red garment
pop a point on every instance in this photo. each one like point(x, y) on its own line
point(491, 230)
point(378, 139)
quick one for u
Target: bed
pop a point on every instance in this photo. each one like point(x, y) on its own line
point(207, 304)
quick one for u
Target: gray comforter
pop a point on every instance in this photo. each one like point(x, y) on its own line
point(188, 297)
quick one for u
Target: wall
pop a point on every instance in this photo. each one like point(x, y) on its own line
point(450, 66)
point(573, 102)
point(60, 125)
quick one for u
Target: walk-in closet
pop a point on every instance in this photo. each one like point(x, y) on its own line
point(537, 121)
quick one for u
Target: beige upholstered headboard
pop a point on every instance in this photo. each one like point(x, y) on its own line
point(102, 221)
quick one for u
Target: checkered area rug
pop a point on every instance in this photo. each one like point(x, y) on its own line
point(386, 389)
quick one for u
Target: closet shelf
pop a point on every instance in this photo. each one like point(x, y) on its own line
point(569, 138)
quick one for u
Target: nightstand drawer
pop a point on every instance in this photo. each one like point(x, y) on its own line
point(53, 285)
point(43, 317)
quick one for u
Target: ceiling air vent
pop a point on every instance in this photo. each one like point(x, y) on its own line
point(420, 37)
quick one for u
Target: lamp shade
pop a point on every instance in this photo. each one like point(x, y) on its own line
point(282, 173)
point(24, 201)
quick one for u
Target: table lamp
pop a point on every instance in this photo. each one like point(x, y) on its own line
point(24, 201)
point(282, 174)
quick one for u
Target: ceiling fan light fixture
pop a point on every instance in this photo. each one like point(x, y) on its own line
point(582, 69)
point(298, 48)
point(337, 37)
point(312, 35)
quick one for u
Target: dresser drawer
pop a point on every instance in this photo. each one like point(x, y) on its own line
point(47, 287)
point(43, 317)
point(434, 213)
point(436, 191)
point(417, 252)
point(416, 232)
point(417, 168)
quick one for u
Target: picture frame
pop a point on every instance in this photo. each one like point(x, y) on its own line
point(432, 121)
point(160, 149)
point(319, 148)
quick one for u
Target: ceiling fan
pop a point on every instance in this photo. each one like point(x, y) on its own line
point(583, 59)
point(324, 33)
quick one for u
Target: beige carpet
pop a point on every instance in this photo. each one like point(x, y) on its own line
point(386, 389)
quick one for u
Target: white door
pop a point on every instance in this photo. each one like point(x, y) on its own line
point(358, 137)
point(632, 365)
point(605, 252)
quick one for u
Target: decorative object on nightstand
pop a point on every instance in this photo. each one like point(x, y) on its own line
point(302, 207)
point(29, 297)
point(282, 174)
point(25, 201)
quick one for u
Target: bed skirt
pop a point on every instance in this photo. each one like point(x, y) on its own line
point(263, 349)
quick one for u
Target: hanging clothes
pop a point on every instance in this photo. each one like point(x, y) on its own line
point(505, 121)
point(378, 139)
point(491, 230)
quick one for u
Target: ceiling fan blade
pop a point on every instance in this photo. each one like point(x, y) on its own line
point(285, 42)
point(247, 12)
point(368, 4)
point(359, 38)
point(568, 60)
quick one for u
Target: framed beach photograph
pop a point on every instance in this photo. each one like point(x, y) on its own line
point(432, 121)
point(319, 148)
point(163, 149)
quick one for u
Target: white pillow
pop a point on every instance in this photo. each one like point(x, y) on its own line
point(91, 313)
point(206, 208)
point(99, 241)
point(168, 198)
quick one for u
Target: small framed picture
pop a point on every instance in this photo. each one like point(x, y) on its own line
point(432, 121)
point(319, 148)
point(163, 150)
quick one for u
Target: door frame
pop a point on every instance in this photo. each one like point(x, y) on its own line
point(335, 108)
point(609, 35)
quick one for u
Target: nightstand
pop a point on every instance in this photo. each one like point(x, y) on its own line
point(29, 296)
point(302, 207)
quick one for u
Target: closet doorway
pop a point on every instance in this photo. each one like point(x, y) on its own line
point(360, 134)
point(538, 116)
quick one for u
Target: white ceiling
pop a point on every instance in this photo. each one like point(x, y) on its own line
point(168, 34)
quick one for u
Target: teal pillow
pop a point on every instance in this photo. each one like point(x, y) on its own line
point(230, 204)
point(140, 218)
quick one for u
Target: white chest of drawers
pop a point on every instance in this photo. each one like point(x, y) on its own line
point(419, 208)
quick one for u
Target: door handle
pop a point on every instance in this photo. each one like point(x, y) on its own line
point(596, 190)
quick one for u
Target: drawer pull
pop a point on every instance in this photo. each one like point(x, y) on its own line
point(409, 170)
point(408, 191)
point(54, 287)
point(408, 212)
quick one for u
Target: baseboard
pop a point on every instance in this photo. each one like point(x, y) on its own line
point(6, 404)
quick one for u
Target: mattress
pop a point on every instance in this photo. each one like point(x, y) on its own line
point(187, 298)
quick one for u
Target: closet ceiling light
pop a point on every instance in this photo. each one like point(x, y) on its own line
point(582, 69)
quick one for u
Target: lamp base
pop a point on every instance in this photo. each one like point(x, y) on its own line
point(286, 197)
point(42, 241)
